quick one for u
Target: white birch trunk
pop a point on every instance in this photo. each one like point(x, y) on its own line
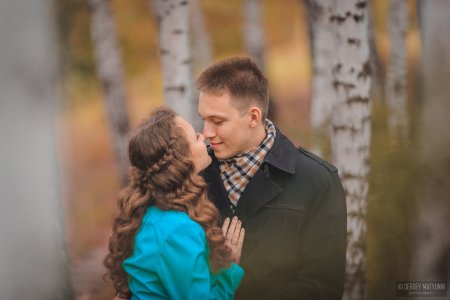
point(201, 43)
point(351, 129)
point(254, 31)
point(323, 47)
point(33, 262)
point(109, 70)
point(179, 91)
point(396, 81)
point(431, 257)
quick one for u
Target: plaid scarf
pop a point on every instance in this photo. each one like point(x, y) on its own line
point(237, 171)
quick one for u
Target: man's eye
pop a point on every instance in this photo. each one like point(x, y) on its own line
point(218, 122)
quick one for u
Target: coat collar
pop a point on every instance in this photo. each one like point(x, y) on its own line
point(282, 154)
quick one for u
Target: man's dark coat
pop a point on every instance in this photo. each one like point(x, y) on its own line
point(294, 214)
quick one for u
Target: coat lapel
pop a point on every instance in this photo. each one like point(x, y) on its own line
point(216, 191)
point(259, 191)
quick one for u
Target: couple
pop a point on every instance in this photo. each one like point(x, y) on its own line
point(188, 213)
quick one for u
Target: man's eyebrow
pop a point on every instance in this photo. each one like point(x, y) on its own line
point(215, 116)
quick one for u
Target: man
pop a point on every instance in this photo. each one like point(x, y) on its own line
point(291, 202)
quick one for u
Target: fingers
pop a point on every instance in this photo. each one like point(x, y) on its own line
point(225, 226)
point(237, 231)
point(231, 229)
point(240, 241)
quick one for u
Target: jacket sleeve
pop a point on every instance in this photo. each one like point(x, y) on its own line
point(321, 268)
point(184, 270)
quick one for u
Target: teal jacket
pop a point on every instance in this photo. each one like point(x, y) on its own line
point(170, 261)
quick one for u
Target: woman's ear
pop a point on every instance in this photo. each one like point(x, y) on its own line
point(255, 116)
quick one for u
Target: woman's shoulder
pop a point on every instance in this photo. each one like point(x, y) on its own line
point(169, 221)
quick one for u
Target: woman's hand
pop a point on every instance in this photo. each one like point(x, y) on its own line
point(234, 237)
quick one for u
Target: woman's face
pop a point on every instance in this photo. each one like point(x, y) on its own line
point(199, 154)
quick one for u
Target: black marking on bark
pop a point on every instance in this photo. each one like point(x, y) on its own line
point(352, 70)
point(357, 99)
point(178, 31)
point(337, 69)
point(167, 12)
point(183, 3)
point(164, 51)
point(122, 126)
point(365, 119)
point(354, 41)
point(347, 175)
point(366, 71)
point(361, 4)
point(179, 88)
point(187, 61)
point(398, 86)
point(346, 86)
point(352, 129)
point(358, 18)
point(338, 19)
point(341, 19)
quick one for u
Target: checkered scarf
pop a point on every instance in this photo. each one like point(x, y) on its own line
point(236, 172)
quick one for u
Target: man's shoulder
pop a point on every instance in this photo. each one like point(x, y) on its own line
point(311, 161)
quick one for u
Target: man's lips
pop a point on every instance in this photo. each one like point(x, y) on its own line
point(215, 144)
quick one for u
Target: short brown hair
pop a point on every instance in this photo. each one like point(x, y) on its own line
point(242, 78)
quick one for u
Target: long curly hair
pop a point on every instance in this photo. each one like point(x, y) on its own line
point(162, 175)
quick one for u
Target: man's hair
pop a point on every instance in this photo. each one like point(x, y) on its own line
point(239, 76)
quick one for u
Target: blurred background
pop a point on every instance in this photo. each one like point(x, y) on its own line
point(112, 70)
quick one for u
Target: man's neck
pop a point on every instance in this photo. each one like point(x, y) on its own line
point(257, 137)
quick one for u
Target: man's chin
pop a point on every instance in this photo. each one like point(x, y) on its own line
point(222, 155)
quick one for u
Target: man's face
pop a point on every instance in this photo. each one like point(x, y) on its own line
point(227, 128)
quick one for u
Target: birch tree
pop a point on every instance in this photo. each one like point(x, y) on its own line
point(396, 81)
point(253, 31)
point(109, 70)
point(322, 47)
point(200, 41)
point(351, 129)
point(33, 259)
point(176, 59)
point(255, 42)
point(431, 257)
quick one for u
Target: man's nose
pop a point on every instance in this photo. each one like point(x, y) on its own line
point(208, 132)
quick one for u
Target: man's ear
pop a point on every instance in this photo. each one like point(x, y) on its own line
point(255, 116)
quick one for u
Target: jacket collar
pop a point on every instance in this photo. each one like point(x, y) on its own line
point(282, 153)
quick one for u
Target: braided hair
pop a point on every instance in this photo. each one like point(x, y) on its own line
point(161, 174)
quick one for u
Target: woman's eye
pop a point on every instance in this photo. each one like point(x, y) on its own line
point(198, 135)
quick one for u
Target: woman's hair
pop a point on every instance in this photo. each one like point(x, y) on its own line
point(162, 175)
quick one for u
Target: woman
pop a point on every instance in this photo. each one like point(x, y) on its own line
point(166, 241)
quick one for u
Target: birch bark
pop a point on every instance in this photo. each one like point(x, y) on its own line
point(253, 31)
point(396, 81)
point(351, 129)
point(33, 258)
point(322, 49)
point(109, 70)
point(176, 58)
point(201, 43)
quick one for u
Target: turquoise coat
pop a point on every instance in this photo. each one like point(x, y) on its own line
point(170, 261)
